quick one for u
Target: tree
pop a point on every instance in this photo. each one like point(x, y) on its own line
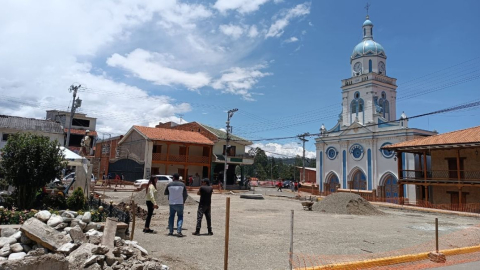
point(28, 163)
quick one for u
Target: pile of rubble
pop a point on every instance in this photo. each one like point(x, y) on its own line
point(346, 204)
point(70, 241)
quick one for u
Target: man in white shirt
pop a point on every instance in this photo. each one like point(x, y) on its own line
point(177, 195)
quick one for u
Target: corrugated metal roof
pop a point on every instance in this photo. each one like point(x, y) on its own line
point(223, 135)
point(30, 124)
point(463, 136)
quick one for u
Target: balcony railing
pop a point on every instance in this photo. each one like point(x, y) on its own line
point(180, 158)
point(442, 175)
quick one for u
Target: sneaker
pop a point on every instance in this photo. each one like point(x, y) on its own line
point(196, 233)
point(210, 233)
point(170, 234)
point(179, 234)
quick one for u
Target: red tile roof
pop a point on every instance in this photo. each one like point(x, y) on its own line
point(81, 131)
point(463, 136)
point(173, 135)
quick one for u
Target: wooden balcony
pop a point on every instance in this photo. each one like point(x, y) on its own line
point(163, 157)
point(442, 176)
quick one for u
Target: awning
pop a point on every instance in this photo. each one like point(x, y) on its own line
point(72, 158)
point(240, 160)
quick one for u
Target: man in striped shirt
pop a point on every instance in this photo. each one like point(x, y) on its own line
point(177, 195)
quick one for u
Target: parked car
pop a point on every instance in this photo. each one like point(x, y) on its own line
point(287, 184)
point(142, 183)
point(68, 178)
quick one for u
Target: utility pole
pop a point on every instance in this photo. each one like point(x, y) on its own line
point(76, 103)
point(302, 138)
point(229, 115)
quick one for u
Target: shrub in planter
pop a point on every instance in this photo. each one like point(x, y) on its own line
point(56, 201)
point(77, 200)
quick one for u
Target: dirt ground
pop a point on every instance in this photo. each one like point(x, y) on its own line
point(260, 233)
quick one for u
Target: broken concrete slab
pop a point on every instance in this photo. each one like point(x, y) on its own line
point(43, 234)
point(100, 250)
point(43, 216)
point(109, 232)
point(95, 239)
point(79, 255)
point(77, 235)
point(47, 262)
point(17, 256)
point(7, 240)
point(67, 248)
point(89, 261)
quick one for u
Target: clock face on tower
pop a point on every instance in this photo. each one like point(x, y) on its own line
point(357, 67)
point(381, 67)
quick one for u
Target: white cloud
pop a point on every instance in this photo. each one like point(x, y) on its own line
point(310, 23)
point(240, 81)
point(291, 40)
point(242, 6)
point(291, 149)
point(234, 31)
point(253, 32)
point(149, 66)
point(276, 29)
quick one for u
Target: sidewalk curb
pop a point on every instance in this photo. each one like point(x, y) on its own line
point(392, 260)
point(424, 209)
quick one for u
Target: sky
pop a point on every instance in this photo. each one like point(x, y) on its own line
point(280, 63)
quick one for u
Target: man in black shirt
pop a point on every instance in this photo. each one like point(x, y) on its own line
point(205, 193)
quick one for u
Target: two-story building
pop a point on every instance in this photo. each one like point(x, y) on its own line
point(80, 125)
point(236, 155)
point(165, 151)
point(15, 124)
point(446, 170)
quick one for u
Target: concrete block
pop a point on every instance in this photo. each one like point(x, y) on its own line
point(437, 257)
point(43, 234)
point(77, 235)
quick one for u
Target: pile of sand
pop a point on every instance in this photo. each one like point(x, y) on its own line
point(346, 204)
point(161, 199)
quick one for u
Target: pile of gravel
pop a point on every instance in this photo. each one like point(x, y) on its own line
point(346, 204)
point(161, 199)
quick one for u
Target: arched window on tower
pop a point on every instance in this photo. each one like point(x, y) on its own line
point(370, 65)
point(364, 32)
point(360, 105)
point(353, 107)
point(386, 110)
point(371, 32)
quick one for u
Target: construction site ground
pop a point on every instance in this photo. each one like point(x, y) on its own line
point(260, 233)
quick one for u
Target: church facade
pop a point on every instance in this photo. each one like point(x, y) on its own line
point(350, 154)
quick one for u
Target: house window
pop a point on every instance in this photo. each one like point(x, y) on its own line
point(231, 150)
point(5, 137)
point(81, 122)
point(157, 149)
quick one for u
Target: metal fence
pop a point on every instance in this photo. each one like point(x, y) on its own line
point(109, 210)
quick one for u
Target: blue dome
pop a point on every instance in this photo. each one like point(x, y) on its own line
point(367, 22)
point(368, 47)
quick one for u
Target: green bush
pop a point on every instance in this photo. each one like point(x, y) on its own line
point(77, 200)
point(56, 201)
point(15, 217)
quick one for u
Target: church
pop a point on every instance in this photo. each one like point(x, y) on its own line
point(350, 155)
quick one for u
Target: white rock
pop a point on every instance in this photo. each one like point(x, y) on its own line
point(54, 220)
point(87, 217)
point(3, 259)
point(43, 215)
point(67, 215)
point(164, 267)
point(5, 250)
point(67, 229)
point(7, 240)
point(17, 235)
point(94, 233)
point(80, 223)
point(15, 248)
point(91, 225)
point(7, 232)
point(17, 256)
point(67, 248)
point(142, 250)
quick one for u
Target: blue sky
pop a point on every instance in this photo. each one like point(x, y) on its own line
point(279, 62)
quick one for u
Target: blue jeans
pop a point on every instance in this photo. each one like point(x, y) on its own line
point(175, 208)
